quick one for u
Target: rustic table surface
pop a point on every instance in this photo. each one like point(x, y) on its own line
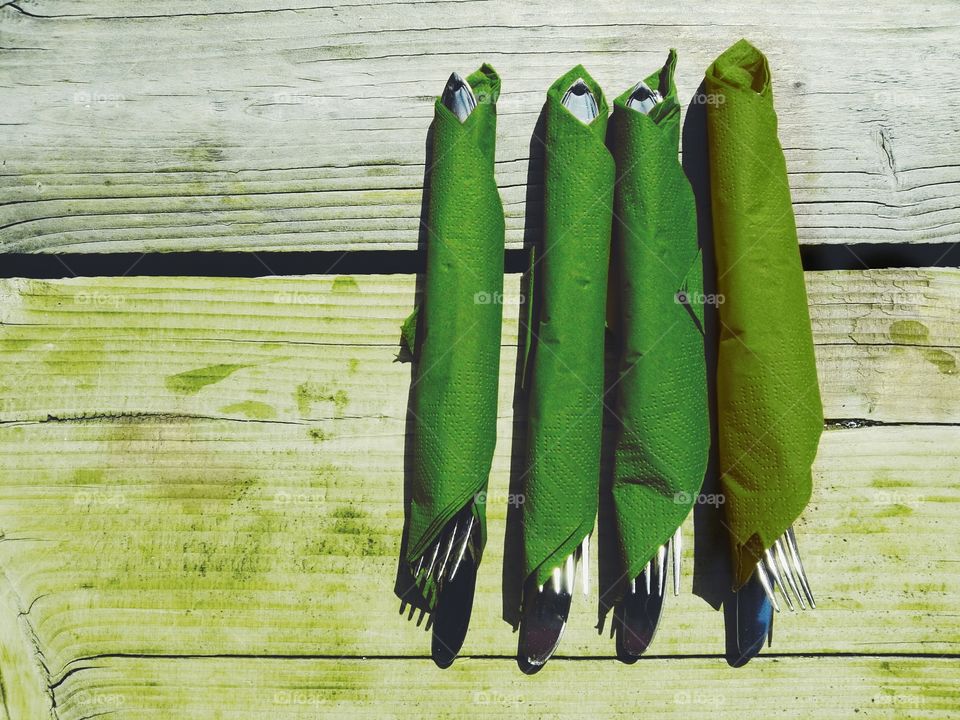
point(200, 504)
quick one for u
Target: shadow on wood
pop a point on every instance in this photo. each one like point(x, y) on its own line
point(528, 312)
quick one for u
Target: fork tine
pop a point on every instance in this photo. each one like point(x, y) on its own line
point(433, 559)
point(556, 579)
point(779, 583)
point(798, 565)
point(765, 582)
point(677, 554)
point(419, 565)
point(784, 567)
point(446, 555)
point(463, 548)
point(585, 562)
point(646, 576)
point(571, 574)
point(661, 569)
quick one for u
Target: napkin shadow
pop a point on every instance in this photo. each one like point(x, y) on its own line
point(610, 577)
point(611, 581)
point(712, 573)
point(712, 577)
point(528, 311)
point(405, 586)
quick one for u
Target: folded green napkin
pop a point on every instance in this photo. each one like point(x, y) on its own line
point(656, 288)
point(454, 392)
point(564, 417)
point(768, 403)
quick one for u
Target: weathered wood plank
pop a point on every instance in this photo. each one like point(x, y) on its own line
point(164, 537)
point(255, 126)
point(305, 349)
point(201, 465)
point(806, 688)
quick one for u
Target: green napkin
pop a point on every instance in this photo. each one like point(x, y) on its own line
point(656, 287)
point(454, 392)
point(564, 418)
point(768, 403)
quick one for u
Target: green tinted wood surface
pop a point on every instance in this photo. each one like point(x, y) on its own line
point(206, 467)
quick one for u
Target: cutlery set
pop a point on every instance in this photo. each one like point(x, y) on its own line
point(620, 257)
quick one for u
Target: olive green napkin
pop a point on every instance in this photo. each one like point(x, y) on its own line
point(561, 480)
point(768, 403)
point(454, 392)
point(656, 288)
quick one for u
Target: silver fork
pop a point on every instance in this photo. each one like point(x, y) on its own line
point(781, 569)
point(457, 533)
point(643, 98)
point(457, 97)
point(639, 611)
point(546, 607)
point(657, 566)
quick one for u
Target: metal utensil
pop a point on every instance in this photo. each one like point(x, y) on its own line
point(451, 615)
point(458, 97)
point(456, 546)
point(643, 98)
point(779, 570)
point(638, 613)
point(448, 571)
point(581, 102)
point(547, 607)
point(749, 619)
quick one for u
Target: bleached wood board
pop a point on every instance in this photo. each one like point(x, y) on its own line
point(162, 536)
point(197, 465)
point(139, 126)
point(226, 688)
point(307, 349)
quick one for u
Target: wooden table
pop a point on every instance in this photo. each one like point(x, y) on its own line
point(200, 504)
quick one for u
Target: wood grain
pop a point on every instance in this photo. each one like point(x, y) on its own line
point(141, 126)
point(799, 688)
point(886, 343)
point(176, 537)
point(214, 467)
